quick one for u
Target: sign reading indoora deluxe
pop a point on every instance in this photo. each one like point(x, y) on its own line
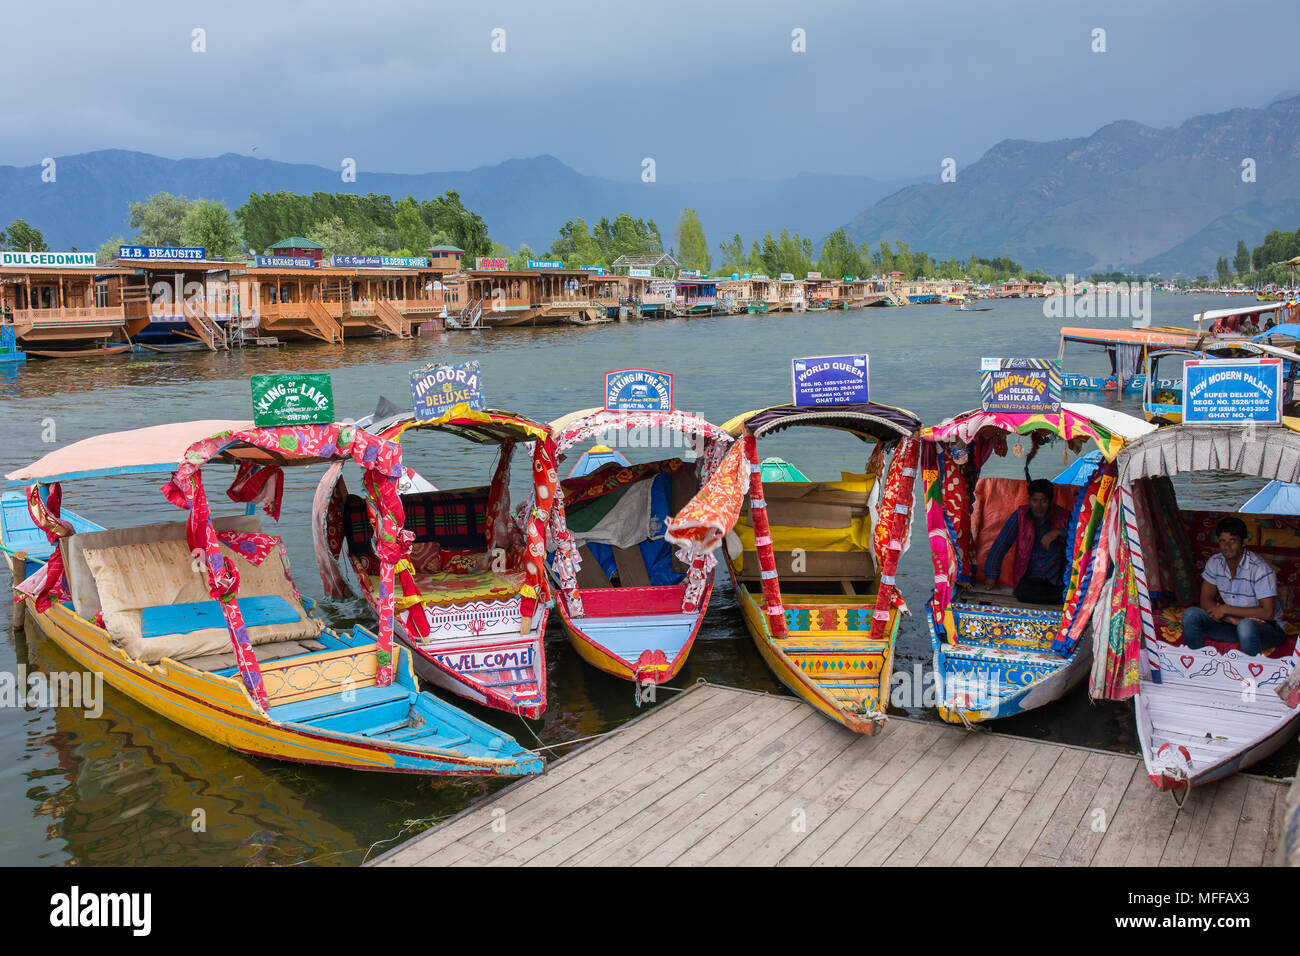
point(305, 398)
point(830, 380)
point(1232, 391)
point(436, 388)
point(77, 259)
point(639, 390)
point(1020, 386)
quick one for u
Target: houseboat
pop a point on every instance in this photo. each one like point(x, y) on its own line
point(178, 298)
point(695, 295)
point(63, 304)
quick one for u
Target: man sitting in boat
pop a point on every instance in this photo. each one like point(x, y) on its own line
point(1038, 532)
point(1238, 597)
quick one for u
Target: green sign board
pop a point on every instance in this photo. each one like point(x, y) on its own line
point(299, 399)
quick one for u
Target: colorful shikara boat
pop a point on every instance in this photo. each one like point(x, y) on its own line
point(201, 622)
point(1202, 713)
point(1126, 350)
point(995, 656)
point(627, 605)
point(472, 606)
point(813, 569)
point(1162, 397)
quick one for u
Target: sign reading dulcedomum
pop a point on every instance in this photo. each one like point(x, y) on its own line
point(1232, 391)
point(639, 390)
point(435, 389)
point(830, 380)
point(305, 398)
point(1023, 386)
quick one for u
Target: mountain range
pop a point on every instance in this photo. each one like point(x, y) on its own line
point(522, 200)
point(1128, 197)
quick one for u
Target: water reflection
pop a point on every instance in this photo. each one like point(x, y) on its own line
point(123, 788)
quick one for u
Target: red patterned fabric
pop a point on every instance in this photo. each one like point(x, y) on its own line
point(700, 526)
point(47, 516)
point(498, 512)
point(260, 484)
point(772, 605)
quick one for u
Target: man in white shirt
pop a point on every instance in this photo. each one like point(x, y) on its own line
point(1238, 597)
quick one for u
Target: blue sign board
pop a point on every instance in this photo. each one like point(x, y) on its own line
point(688, 274)
point(286, 262)
point(1020, 386)
point(639, 390)
point(379, 262)
point(545, 264)
point(830, 380)
point(1232, 391)
point(436, 388)
point(161, 252)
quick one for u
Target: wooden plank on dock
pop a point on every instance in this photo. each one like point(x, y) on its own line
point(720, 776)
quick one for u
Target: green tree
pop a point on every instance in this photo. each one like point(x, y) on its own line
point(338, 238)
point(1241, 261)
point(839, 256)
point(158, 220)
point(22, 237)
point(519, 258)
point(692, 247)
point(733, 258)
point(109, 249)
point(1224, 271)
point(210, 225)
point(412, 230)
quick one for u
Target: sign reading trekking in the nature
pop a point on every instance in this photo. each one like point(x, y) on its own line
point(298, 399)
point(436, 388)
point(1232, 391)
point(830, 380)
point(639, 390)
point(1020, 386)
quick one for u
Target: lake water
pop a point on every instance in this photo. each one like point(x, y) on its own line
point(127, 787)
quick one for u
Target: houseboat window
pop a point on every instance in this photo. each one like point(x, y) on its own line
point(101, 295)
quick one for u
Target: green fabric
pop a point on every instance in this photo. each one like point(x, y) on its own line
point(589, 514)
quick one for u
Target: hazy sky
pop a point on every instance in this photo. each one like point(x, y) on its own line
point(709, 90)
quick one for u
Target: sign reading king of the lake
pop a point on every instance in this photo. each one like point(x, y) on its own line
point(78, 259)
point(639, 390)
point(830, 380)
point(1021, 386)
point(296, 399)
point(436, 388)
point(1232, 391)
point(162, 252)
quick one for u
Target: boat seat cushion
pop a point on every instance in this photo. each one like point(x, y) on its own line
point(263, 652)
point(85, 593)
point(443, 589)
point(454, 520)
point(821, 531)
point(152, 578)
point(1169, 627)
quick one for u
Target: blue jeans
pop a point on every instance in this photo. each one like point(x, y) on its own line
point(1254, 636)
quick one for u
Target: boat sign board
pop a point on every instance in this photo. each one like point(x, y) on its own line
point(436, 388)
point(379, 262)
point(787, 276)
point(494, 264)
point(285, 262)
point(162, 252)
point(639, 273)
point(1232, 391)
point(78, 259)
point(545, 264)
point(639, 390)
point(830, 380)
point(305, 398)
point(1020, 386)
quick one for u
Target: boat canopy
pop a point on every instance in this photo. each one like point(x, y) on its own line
point(1164, 335)
point(1239, 310)
point(1110, 429)
point(1266, 451)
point(487, 427)
point(581, 426)
point(1275, 498)
point(1289, 329)
point(867, 420)
point(138, 451)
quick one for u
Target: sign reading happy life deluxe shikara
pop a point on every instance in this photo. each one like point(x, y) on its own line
point(436, 388)
point(639, 390)
point(1232, 391)
point(1020, 386)
point(830, 380)
point(297, 399)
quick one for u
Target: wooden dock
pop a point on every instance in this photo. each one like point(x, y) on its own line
point(721, 776)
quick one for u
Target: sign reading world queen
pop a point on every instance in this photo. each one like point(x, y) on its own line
point(301, 399)
point(436, 388)
point(830, 380)
point(639, 390)
point(1020, 386)
point(1232, 391)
